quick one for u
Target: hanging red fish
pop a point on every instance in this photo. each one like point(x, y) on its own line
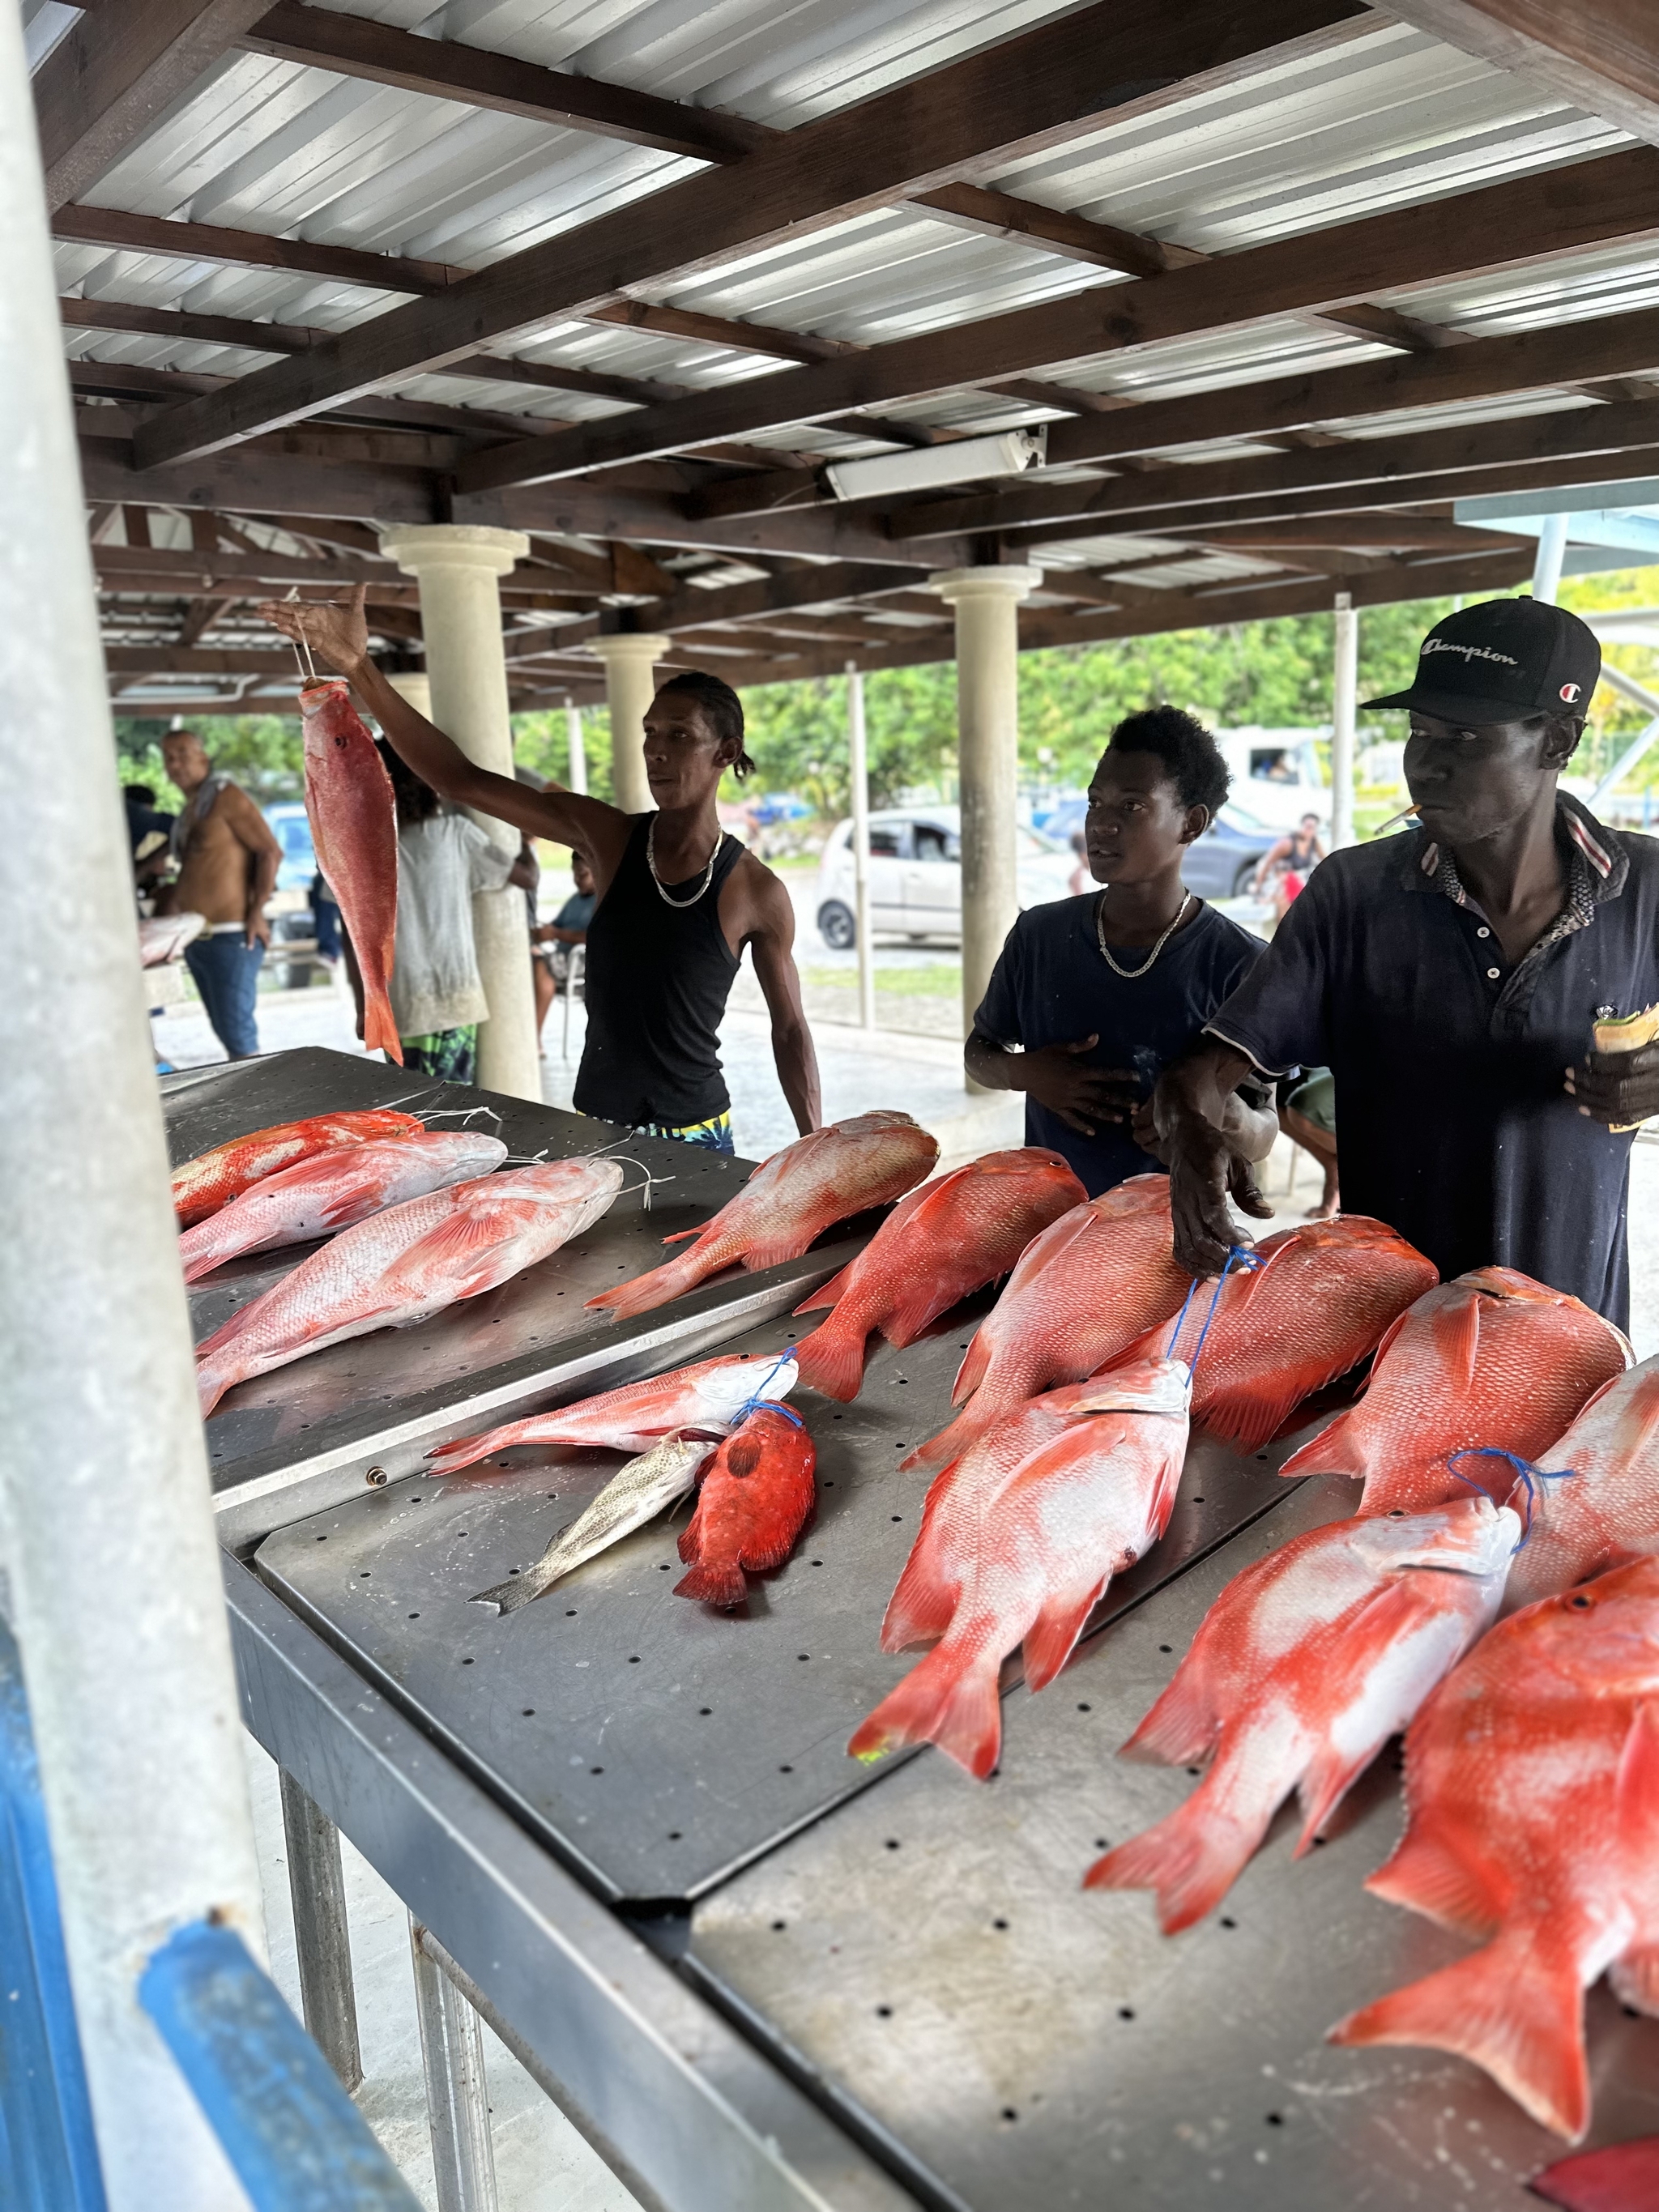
point(354, 826)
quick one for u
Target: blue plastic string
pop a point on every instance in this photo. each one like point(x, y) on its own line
point(1525, 1470)
point(774, 1406)
point(1238, 1255)
point(783, 1360)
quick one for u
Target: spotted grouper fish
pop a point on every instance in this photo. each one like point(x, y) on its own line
point(1492, 1359)
point(756, 1497)
point(1532, 1798)
point(354, 826)
point(404, 1265)
point(212, 1179)
point(823, 1178)
point(937, 1245)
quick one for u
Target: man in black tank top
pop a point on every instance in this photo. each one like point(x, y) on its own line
point(678, 899)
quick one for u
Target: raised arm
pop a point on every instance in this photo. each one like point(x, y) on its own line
point(338, 636)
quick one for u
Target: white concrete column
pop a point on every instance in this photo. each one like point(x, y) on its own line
point(459, 567)
point(577, 778)
point(1344, 691)
point(858, 773)
point(987, 603)
point(417, 688)
point(630, 682)
point(106, 1523)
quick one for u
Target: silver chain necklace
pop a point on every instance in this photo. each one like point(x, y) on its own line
point(707, 874)
point(1130, 974)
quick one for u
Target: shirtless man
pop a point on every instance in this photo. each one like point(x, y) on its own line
point(228, 861)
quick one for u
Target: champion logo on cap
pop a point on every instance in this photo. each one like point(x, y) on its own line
point(1432, 644)
point(1502, 659)
point(1570, 692)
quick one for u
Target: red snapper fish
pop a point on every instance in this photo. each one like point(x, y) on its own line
point(332, 1190)
point(790, 1200)
point(405, 1265)
point(1321, 1297)
point(1301, 1671)
point(1029, 1566)
point(706, 1399)
point(1622, 2178)
point(1083, 1292)
point(756, 1498)
point(201, 1185)
point(938, 1244)
point(354, 826)
point(1491, 1359)
point(1532, 1796)
point(1595, 1500)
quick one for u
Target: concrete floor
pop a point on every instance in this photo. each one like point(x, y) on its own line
point(542, 2163)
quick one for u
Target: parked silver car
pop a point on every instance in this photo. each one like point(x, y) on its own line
point(916, 875)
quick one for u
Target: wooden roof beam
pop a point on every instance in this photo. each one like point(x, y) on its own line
point(1600, 55)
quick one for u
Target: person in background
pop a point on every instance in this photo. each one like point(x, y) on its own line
point(325, 919)
point(1079, 878)
point(678, 899)
point(437, 998)
point(1091, 997)
point(1308, 1117)
point(554, 941)
point(149, 836)
point(228, 861)
point(1290, 863)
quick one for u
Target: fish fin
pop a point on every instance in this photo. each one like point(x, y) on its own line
point(1246, 1414)
point(1456, 1332)
point(457, 1245)
point(1512, 2009)
point(924, 1602)
point(1639, 1420)
point(1424, 1876)
point(655, 1288)
point(1334, 1450)
point(917, 1305)
point(829, 1292)
point(379, 1030)
point(832, 1359)
point(954, 1439)
point(951, 1699)
point(1621, 2177)
point(1191, 1858)
point(715, 1582)
point(1634, 1979)
point(1637, 1789)
point(1052, 1636)
point(772, 1251)
point(466, 1451)
point(971, 1373)
point(1182, 1727)
point(680, 1236)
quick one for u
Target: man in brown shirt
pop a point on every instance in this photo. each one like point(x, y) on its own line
point(228, 861)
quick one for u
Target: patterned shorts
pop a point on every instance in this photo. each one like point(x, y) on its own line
point(714, 1135)
point(451, 1056)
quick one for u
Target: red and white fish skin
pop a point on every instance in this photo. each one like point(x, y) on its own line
point(1492, 1359)
point(1321, 1296)
point(938, 1244)
point(1084, 1292)
point(757, 1495)
point(1532, 1796)
point(354, 826)
point(1301, 1671)
point(822, 1178)
point(333, 1190)
point(1620, 2177)
point(703, 1399)
point(1606, 1509)
point(201, 1185)
point(1027, 1564)
point(404, 1265)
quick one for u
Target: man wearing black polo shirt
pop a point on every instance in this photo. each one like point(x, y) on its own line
point(1450, 978)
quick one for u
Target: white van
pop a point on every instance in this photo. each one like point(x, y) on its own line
point(916, 875)
point(1278, 775)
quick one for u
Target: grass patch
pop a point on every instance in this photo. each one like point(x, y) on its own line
point(940, 980)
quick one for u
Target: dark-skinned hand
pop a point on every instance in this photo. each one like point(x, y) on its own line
point(1618, 1088)
point(1082, 1096)
point(1205, 1172)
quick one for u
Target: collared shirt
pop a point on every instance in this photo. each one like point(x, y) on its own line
point(1452, 1122)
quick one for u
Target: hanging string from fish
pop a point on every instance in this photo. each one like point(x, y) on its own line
point(1241, 1256)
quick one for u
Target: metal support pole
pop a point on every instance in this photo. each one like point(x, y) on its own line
point(457, 2101)
point(322, 1936)
point(1345, 693)
point(1616, 679)
point(1551, 545)
point(858, 772)
point(573, 723)
point(109, 1535)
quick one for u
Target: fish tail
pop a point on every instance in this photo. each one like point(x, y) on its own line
point(950, 1699)
point(715, 1581)
point(832, 1358)
point(379, 1030)
point(654, 1289)
point(466, 1451)
point(1516, 2009)
point(211, 1384)
point(1192, 1858)
point(518, 1591)
point(198, 1263)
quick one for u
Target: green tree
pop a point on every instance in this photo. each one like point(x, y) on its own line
point(265, 754)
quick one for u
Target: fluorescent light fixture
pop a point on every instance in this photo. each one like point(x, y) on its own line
point(1009, 454)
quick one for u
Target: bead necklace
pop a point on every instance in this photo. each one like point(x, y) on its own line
point(707, 874)
point(1130, 974)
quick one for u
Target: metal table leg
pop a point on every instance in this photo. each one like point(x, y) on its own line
point(321, 1934)
point(457, 2101)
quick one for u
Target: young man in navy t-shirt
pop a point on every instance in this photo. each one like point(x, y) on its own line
point(1092, 997)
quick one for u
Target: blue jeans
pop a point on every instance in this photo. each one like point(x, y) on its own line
point(227, 974)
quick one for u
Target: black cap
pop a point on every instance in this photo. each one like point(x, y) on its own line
point(1501, 661)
